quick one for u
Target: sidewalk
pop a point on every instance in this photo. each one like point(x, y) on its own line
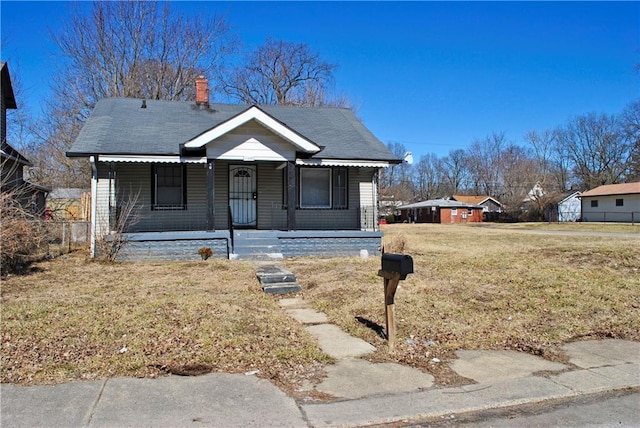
point(366, 393)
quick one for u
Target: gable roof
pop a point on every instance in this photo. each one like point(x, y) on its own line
point(572, 195)
point(442, 203)
point(614, 189)
point(7, 88)
point(120, 126)
point(8, 152)
point(475, 199)
point(253, 113)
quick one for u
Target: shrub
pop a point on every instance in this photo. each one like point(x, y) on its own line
point(22, 232)
point(397, 244)
point(205, 252)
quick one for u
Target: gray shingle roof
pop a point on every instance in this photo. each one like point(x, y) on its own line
point(121, 126)
point(443, 203)
point(7, 151)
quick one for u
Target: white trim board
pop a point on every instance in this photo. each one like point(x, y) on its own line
point(253, 113)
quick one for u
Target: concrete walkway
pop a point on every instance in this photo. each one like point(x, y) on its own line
point(366, 393)
point(352, 377)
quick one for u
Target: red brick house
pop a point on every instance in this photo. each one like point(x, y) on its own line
point(443, 211)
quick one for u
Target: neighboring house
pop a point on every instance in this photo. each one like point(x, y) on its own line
point(69, 204)
point(442, 211)
point(612, 202)
point(535, 193)
point(296, 180)
point(491, 206)
point(388, 208)
point(12, 162)
point(569, 208)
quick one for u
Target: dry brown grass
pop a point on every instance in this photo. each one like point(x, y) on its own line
point(474, 288)
point(75, 319)
point(485, 288)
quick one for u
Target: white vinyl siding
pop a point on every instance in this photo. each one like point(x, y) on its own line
point(607, 210)
point(251, 142)
point(103, 196)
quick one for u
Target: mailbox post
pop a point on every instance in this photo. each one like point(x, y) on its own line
point(395, 267)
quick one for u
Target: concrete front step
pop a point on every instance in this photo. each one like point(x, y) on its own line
point(271, 274)
point(277, 280)
point(256, 256)
point(281, 288)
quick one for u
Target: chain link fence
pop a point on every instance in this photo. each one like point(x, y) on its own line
point(66, 236)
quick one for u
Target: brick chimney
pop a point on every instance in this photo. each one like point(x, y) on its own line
point(202, 91)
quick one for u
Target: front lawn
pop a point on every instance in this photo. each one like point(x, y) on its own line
point(473, 288)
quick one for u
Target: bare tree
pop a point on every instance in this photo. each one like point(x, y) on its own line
point(552, 158)
point(427, 178)
point(484, 163)
point(122, 49)
point(519, 172)
point(597, 149)
point(630, 122)
point(397, 175)
point(453, 171)
point(136, 49)
point(282, 73)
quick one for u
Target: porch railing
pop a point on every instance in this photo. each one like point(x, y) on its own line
point(230, 221)
point(274, 217)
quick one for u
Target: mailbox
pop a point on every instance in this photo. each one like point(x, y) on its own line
point(397, 263)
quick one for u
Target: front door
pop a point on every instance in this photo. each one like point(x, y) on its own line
point(243, 195)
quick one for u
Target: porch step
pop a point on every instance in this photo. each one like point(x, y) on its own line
point(277, 280)
point(256, 245)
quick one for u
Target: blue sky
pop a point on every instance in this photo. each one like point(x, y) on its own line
point(433, 76)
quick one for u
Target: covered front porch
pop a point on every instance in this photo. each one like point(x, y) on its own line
point(238, 210)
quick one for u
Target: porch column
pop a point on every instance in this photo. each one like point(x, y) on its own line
point(210, 194)
point(94, 205)
point(291, 196)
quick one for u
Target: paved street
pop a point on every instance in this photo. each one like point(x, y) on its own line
point(618, 409)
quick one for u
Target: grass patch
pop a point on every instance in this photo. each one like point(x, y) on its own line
point(75, 319)
point(485, 288)
point(474, 288)
point(568, 226)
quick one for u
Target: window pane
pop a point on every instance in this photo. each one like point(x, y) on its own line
point(169, 185)
point(315, 188)
point(340, 188)
point(594, 203)
point(619, 202)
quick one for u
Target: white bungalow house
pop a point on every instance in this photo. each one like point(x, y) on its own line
point(612, 203)
point(242, 180)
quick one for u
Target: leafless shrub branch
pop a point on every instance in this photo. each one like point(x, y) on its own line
point(127, 214)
